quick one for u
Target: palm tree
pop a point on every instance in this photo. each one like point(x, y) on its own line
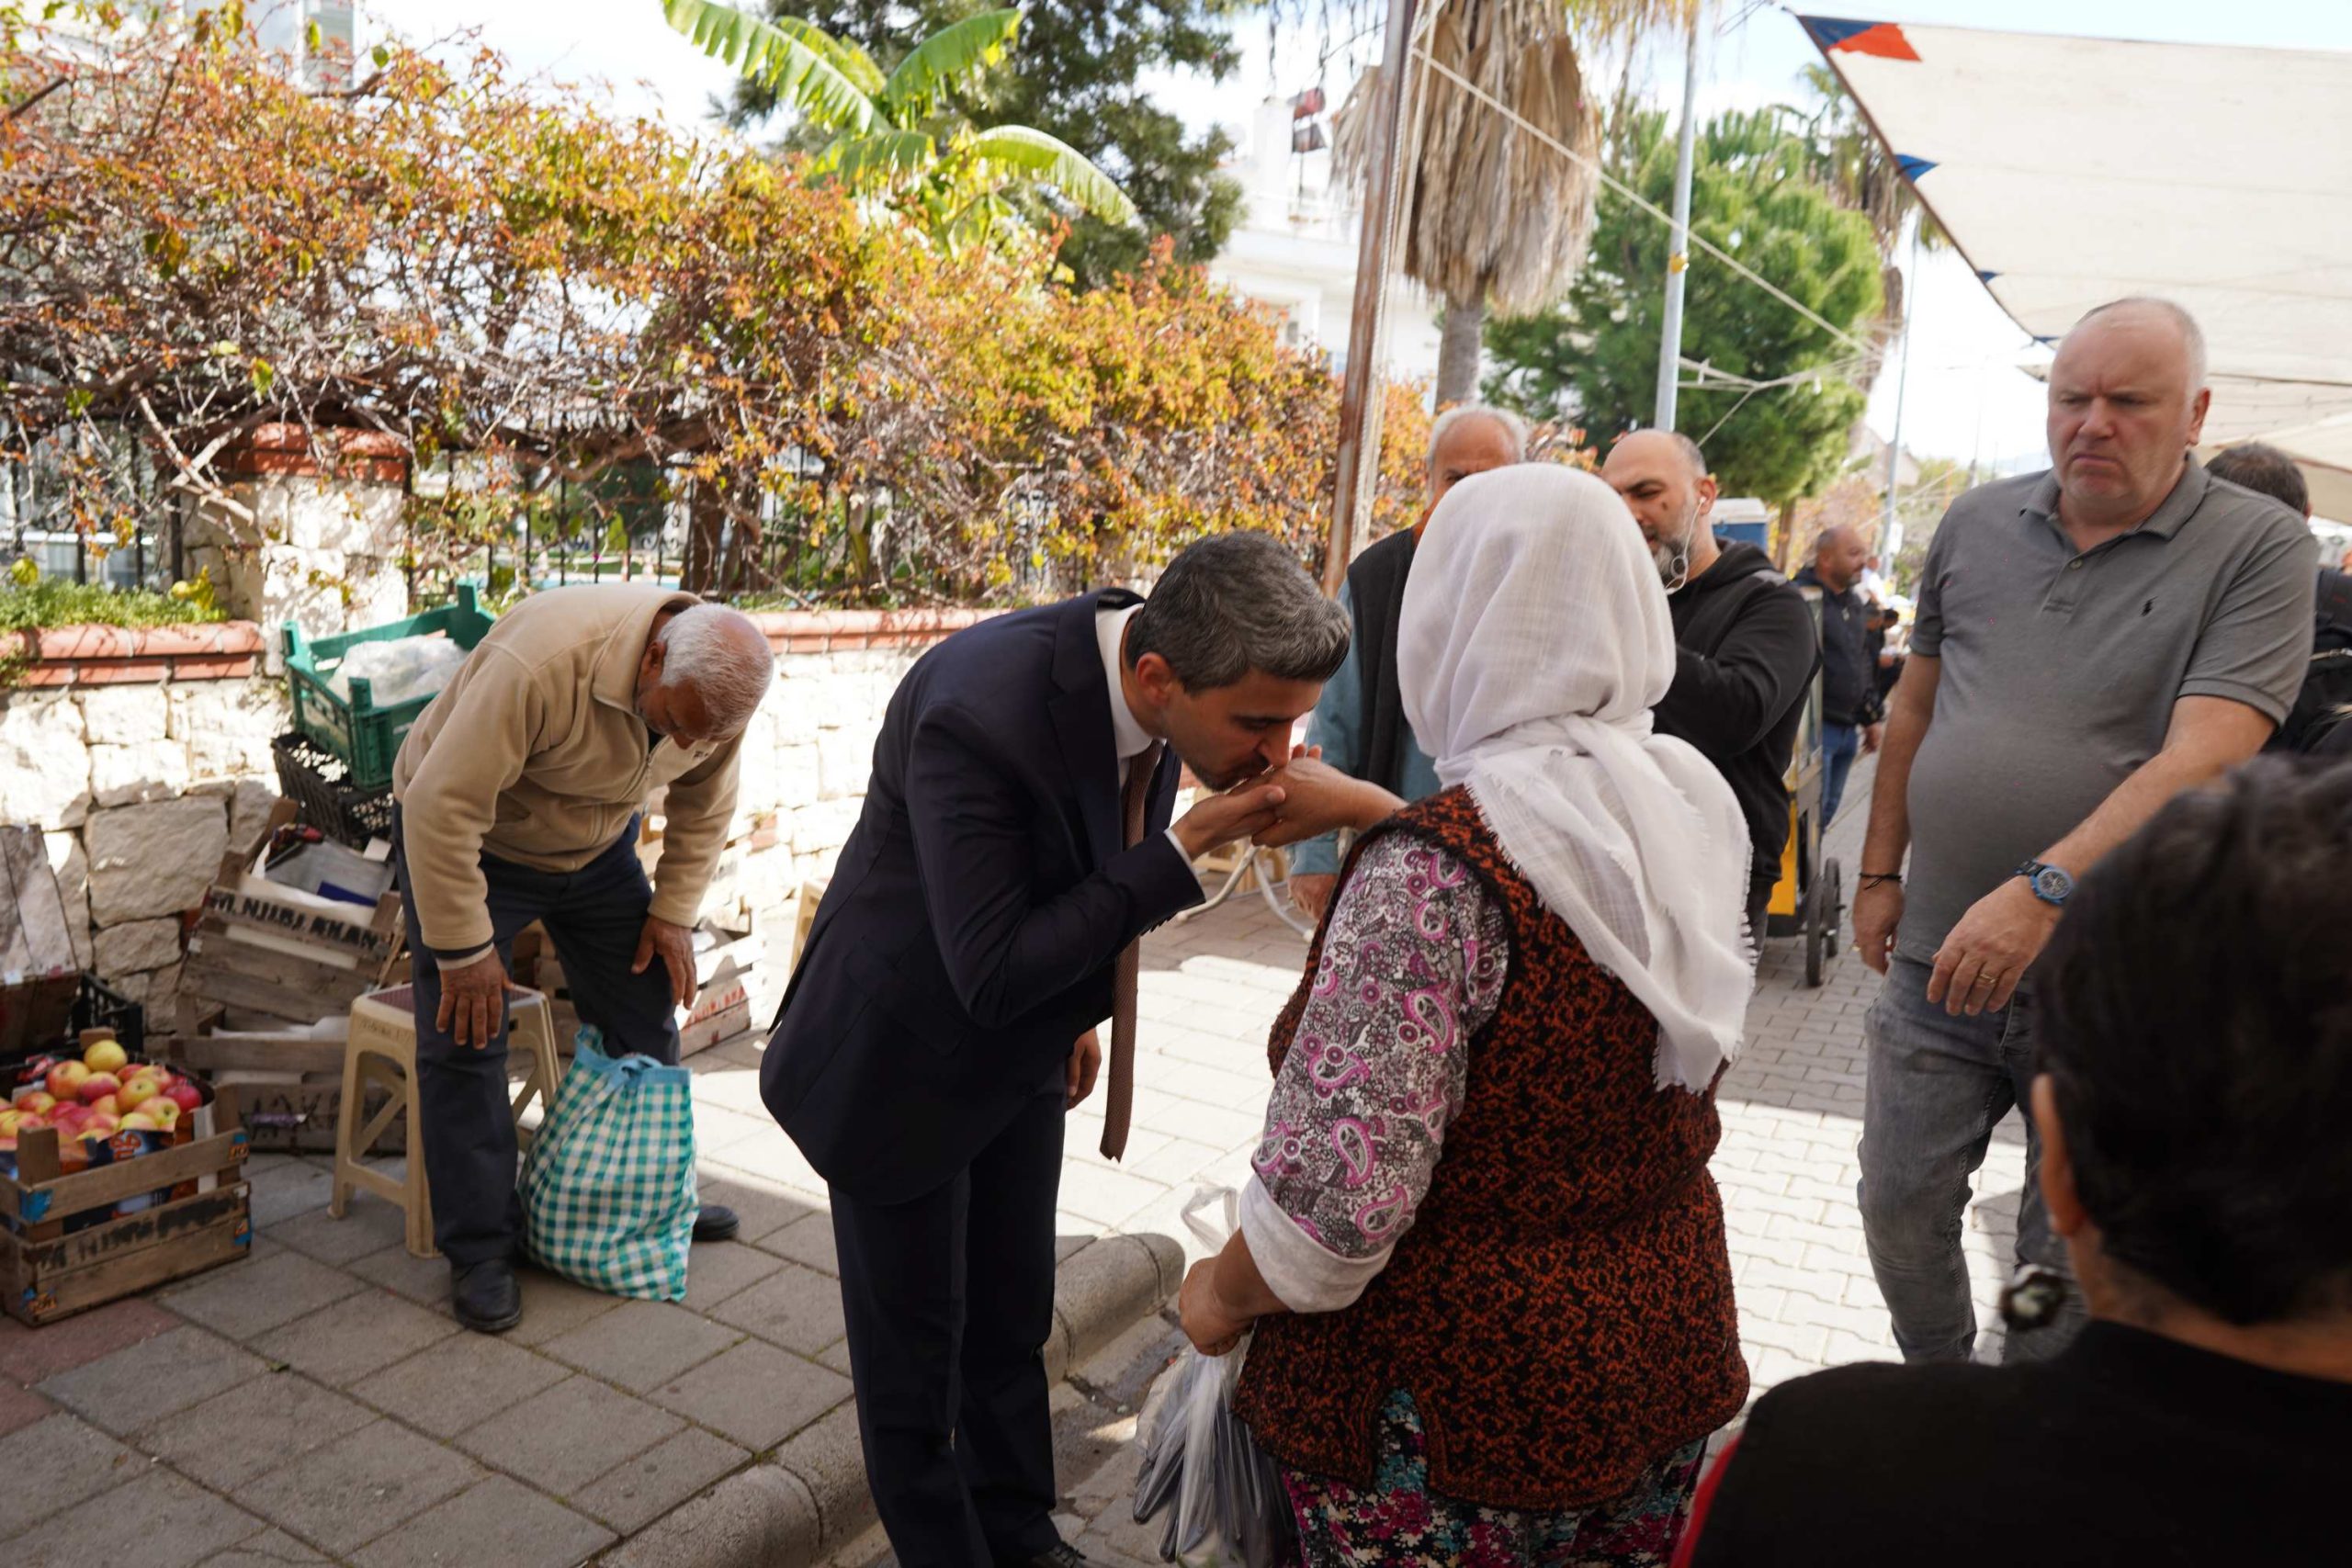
point(894, 139)
point(1499, 219)
point(1847, 156)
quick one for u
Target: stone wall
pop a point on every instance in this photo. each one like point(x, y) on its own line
point(144, 757)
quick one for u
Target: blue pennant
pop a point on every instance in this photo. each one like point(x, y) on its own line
point(1911, 168)
point(1829, 32)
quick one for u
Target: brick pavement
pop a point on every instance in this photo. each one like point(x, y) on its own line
point(316, 1404)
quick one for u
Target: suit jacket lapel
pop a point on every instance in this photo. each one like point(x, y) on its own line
point(1081, 716)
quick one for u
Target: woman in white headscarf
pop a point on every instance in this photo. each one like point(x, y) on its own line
point(1480, 1249)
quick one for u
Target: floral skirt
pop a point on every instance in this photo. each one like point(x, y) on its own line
point(1399, 1521)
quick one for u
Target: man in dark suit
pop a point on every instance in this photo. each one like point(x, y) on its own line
point(982, 919)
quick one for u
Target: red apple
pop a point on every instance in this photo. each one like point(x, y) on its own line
point(136, 1091)
point(184, 1094)
point(35, 1101)
point(65, 1081)
point(96, 1087)
point(105, 1057)
point(101, 1124)
point(105, 1105)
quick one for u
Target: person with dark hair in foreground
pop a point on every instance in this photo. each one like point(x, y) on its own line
point(981, 921)
point(2194, 1087)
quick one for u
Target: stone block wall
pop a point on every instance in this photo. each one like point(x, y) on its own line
point(146, 756)
point(142, 756)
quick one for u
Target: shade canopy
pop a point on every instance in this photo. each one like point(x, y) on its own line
point(2073, 171)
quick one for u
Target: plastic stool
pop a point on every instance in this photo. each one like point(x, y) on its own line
point(381, 1053)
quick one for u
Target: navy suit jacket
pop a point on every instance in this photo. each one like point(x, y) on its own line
point(968, 935)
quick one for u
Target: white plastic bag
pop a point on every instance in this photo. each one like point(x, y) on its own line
point(1224, 1496)
point(398, 669)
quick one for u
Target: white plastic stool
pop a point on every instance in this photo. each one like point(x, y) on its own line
point(381, 1053)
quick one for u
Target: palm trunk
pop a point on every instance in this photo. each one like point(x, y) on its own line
point(1461, 337)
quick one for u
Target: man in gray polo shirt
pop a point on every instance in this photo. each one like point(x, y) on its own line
point(2090, 641)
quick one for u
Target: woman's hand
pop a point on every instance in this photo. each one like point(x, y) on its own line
point(1317, 798)
point(1213, 1330)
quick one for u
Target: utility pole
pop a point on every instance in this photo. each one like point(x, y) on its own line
point(1677, 260)
point(1359, 386)
point(1888, 539)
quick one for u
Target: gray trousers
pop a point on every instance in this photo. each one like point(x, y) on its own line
point(1938, 1085)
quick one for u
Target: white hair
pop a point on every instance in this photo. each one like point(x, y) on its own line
point(721, 653)
point(2192, 336)
point(1514, 426)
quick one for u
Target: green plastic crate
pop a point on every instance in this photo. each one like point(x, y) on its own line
point(366, 737)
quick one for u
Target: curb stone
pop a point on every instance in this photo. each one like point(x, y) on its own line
point(811, 1497)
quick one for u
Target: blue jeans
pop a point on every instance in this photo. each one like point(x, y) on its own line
point(1840, 744)
point(593, 916)
point(1938, 1085)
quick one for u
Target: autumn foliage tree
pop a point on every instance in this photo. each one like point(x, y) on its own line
point(539, 296)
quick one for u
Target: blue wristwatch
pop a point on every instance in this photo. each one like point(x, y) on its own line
point(2051, 884)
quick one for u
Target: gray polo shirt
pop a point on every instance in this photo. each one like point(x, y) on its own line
point(2059, 671)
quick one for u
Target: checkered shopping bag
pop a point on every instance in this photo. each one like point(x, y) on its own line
point(608, 1185)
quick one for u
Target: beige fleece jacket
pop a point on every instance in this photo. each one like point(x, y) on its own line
point(535, 753)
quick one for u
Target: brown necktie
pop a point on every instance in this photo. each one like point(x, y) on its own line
point(1118, 1102)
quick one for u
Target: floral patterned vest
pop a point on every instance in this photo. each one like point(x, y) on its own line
point(1561, 1310)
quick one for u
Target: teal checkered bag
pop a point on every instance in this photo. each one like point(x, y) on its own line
point(608, 1185)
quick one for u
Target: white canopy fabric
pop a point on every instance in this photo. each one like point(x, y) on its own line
point(2072, 171)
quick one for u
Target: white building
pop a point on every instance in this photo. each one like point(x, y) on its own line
point(1295, 247)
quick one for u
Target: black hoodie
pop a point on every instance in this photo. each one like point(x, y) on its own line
point(1749, 645)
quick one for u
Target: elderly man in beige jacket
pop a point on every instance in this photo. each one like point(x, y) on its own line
point(518, 794)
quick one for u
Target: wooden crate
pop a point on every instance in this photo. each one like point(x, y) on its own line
point(46, 1274)
point(293, 1109)
point(722, 1007)
point(263, 948)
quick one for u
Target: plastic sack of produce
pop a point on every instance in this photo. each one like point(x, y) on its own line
point(1223, 1495)
point(398, 669)
point(608, 1184)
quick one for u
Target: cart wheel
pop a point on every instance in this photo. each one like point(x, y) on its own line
point(1826, 918)
point(1836, 879)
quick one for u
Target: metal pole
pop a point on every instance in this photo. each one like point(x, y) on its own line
point(1360, 385)
point(1678, 259)
point(1902, 383)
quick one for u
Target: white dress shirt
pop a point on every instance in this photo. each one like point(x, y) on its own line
point(1127, 733)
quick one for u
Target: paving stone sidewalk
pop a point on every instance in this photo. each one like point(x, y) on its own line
point(317, 1404)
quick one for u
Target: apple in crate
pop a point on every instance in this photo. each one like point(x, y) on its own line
point(105, 1056)
point(184, 1094)
point(139, 1122)
point(65, 1081)
point(137, 1091)
point(34, 1100)
point(105, 1105)
point(165, 1112)
point(10, 1122)
point(96, 1087)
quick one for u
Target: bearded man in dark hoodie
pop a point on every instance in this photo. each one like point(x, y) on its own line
point(1747, 642)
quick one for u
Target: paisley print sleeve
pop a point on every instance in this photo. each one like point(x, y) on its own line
point(1412, 966)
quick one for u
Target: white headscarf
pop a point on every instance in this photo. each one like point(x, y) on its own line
point(1534, 642)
